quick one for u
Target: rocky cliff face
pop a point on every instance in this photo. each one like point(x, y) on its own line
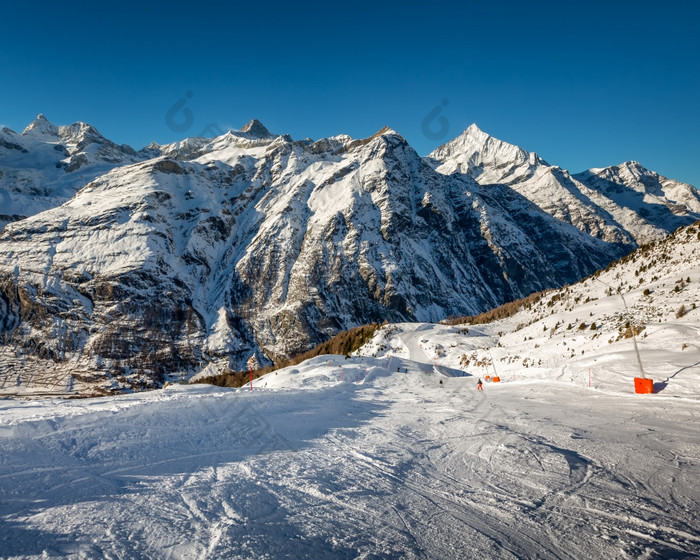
point(211, 250)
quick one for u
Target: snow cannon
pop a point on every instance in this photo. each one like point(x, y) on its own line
point(643, 385)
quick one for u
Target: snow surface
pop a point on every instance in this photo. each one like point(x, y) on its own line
point(393, 454)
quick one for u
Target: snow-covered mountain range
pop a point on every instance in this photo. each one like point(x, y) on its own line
point(621, 204)
point(392, 452)
point(46, 165)
point(195, 255)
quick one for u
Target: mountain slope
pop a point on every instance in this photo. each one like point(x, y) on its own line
point(46, 164)
point(631, 207)
point(264, 245)
point(580, 335)
point(205, 251)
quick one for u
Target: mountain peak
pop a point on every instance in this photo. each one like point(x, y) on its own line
point(41, 126)
point(630, 170)
point(256, 129)
point(387, 130)
point(474, 130)
point(477, 137)
point(384, 131)
point(633, 165)
point(485, 158)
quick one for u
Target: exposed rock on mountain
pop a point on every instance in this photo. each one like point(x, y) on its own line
point(256, 129)
point(625, 204)
point(46, 164)
point(214, 249)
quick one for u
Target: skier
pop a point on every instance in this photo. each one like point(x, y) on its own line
point(479, 386)
point(441, 383)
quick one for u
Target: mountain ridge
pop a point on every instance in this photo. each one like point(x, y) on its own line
point(206, 251)
point(634, 215)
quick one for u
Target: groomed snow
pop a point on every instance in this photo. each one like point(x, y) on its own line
point(365, 457)
point(392, 452)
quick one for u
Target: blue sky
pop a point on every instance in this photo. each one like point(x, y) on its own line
point(584, 85)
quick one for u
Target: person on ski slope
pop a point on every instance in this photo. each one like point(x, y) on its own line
point(479, 386)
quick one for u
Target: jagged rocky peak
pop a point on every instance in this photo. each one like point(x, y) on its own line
point(75, 133)
point(384, 132)
point(388, 131)
point(41, 126)
point(488, 146)
point(473, 131)
point(485, 158)
point(257, 129)
point(631, 174)
point(631, 168)
point(80, 132)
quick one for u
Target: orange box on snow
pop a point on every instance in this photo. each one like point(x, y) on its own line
point(642, 385)
point(496, 379)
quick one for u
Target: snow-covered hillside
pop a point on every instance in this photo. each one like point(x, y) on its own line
point(623, 204)
point(582, 334)
point(195, 255)
point(392, 453)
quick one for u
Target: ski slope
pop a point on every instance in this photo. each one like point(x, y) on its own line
point(391, 452)
point(365, 457)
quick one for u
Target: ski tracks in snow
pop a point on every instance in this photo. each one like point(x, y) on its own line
point(394, 467)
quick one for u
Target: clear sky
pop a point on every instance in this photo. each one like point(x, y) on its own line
point(584, 84)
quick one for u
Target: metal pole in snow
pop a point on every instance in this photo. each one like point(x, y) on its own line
point(493, 362)
point(252, 363)
point(634, 337)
